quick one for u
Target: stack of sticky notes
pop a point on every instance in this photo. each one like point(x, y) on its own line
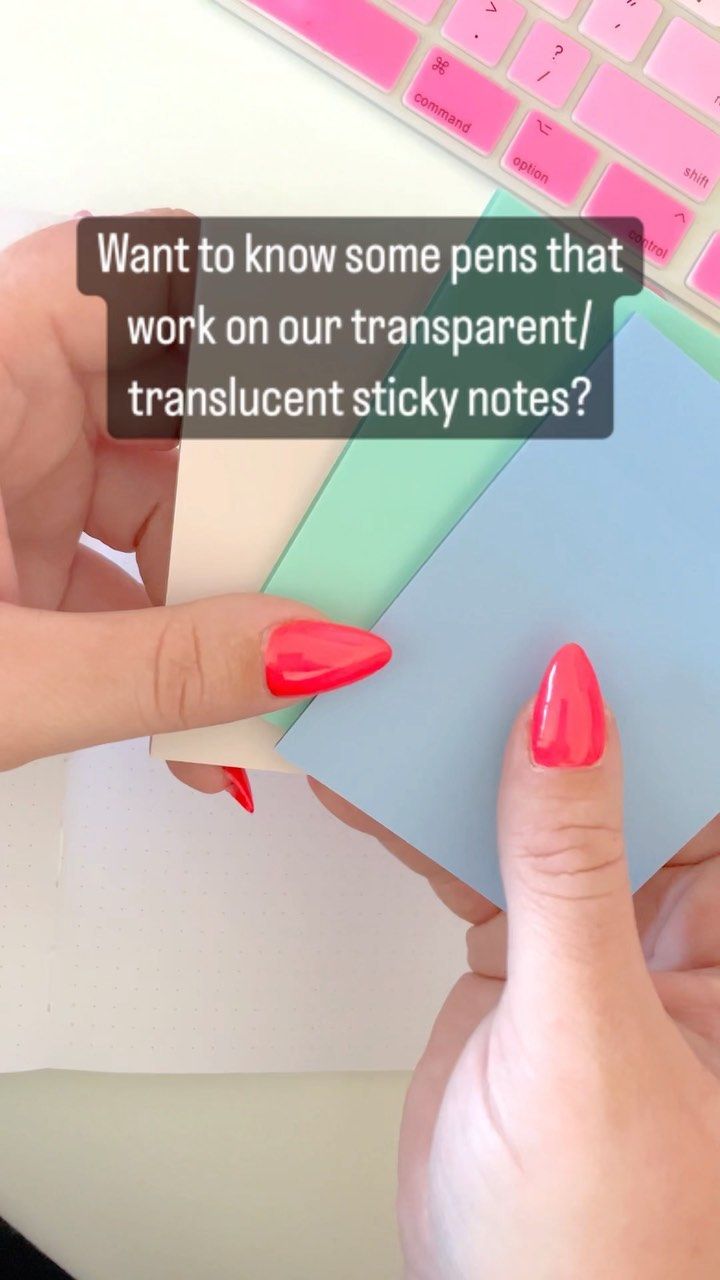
point(476, 559)
point(614, 544)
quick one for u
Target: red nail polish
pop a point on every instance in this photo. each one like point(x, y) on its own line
point(314, 657)
point(568, 724)
point(239, 788)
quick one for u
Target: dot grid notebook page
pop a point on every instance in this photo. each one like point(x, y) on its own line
point(144, 927)
point(605, 108)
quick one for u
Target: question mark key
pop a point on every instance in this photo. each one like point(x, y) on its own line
point(549, 64)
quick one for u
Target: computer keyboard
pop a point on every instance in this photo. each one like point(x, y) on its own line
point(606, 108)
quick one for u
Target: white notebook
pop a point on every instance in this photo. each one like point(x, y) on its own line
point(146, 927)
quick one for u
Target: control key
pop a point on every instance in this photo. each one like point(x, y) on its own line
point(625, 195)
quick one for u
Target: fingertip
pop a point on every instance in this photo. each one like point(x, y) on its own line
point(560, 834)
point(206, 778)
point(568, 728)
point(237, 785)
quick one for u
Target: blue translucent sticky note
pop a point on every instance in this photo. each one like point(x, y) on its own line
point(614, 544)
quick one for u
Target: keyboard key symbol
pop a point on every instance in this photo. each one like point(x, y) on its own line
point(440, 65)
point(631, 4)
point(558, 50)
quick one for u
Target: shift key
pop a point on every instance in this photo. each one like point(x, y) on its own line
point(658, 135)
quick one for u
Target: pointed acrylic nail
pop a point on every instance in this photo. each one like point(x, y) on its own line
point(568, 723)
point(239, 788)
point(308, 657)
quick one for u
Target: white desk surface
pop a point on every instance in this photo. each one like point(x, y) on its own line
point(113, 107)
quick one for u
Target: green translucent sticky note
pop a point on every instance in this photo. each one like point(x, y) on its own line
point(387, 504)
point(382, 511)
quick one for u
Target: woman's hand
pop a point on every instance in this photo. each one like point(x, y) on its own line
point(564, 1123)
point(84, 658)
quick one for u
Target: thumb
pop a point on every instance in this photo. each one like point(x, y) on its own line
point(572, 933)
point(75, 680)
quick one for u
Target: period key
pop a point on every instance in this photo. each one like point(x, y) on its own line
point(484, 28)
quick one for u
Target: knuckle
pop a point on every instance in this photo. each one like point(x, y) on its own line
point(577, 859)
point(179, 664)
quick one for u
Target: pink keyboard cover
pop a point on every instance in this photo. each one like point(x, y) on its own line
point(614, 113)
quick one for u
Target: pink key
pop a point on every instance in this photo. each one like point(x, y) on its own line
point(484, 27)
point(549, 157)
point(656, 134)
point(622, 194)
point(356, 33)
point(687, 62)
point(705, 275)
point(461, 101)
point(549, 64)
point(708, 10)
point(560, 8)
point(622, 26)
point(424, 10)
